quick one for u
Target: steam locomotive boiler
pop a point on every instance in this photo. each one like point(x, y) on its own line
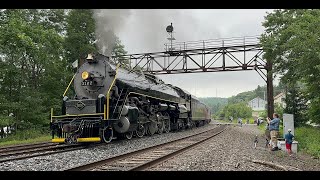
point(113, 102)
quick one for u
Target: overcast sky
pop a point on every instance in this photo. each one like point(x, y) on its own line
point(143, 31)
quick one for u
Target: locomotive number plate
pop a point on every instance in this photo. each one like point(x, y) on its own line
point(86, 83)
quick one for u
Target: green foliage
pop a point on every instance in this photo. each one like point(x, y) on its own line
point(279, 110)
point(37, 48)
point(30, 46)
point(239, 110)
point(291, 40)
point(296, 104)
point(6, 120)
point(43, 138)
point(80, 37)
point(242, 97)
point(260, 91)
point(263, 114)
point(26, 136)
point(262, 127)
point(118, 51)
point(215, 103)
point(308, 139)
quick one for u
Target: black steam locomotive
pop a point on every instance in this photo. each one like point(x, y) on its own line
point(114, 102)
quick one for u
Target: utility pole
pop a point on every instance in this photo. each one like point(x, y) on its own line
point(270, 88)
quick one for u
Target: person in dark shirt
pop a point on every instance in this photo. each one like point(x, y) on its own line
point(289, 139)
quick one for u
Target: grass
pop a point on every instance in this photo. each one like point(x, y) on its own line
point(308, 140)
point(26, 141)
point(26, 137)
point(262, 127)
point(251, 121)
point(307, 137)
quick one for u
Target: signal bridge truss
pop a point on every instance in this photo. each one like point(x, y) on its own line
point(216, 55)
point(232, 54)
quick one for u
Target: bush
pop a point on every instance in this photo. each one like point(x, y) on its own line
point(308, 140)
point(26, 134)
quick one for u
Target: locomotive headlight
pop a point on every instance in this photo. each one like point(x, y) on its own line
point(85, 75)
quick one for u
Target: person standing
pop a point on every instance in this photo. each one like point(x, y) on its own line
point(289, 138)
point(274, 130)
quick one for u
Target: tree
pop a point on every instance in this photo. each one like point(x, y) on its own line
point(239, 110)
point(30, 45)
point(80, 37)
point(258, 92)
point(291, 40)
point(37, 48)
point(279, 110)
point(118, 51)
point(216, 104)
point(296, 104)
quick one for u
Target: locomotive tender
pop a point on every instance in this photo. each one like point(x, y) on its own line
point(113, 102)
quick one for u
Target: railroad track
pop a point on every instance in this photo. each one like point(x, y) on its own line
point(11, 149)
point(151, 156)
point(34, 150)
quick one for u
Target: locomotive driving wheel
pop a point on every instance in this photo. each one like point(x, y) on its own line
point(140, 131)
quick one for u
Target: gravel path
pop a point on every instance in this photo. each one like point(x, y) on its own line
point(233, 150)
point(62, 161)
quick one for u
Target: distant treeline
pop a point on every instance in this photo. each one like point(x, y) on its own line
point(217, 104)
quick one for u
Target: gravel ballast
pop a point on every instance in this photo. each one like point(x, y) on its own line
point(63, 161)
point(233, 150)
